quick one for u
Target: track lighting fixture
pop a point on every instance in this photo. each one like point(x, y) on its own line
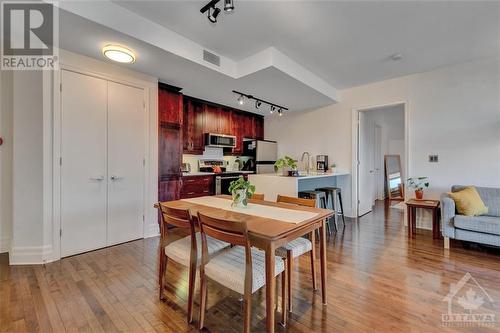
point(213, 11)
point(228, 6)
point(258, 103)
point(241, 100)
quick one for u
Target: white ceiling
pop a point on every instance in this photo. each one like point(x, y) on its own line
point(307, 48)
point(347, 43)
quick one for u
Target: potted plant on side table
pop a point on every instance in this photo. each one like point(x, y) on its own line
point(241, 190)
point(288, 166)
point(418, 184)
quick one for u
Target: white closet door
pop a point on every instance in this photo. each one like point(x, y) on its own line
point(126, 135)
point(83, 170)
point(365, 165)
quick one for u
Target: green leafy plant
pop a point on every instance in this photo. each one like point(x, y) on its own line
point(241, 188)
point(285, 162)
point(418, 183)
point(333, 165)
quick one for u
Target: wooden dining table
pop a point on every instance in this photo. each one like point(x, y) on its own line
point(269, 234)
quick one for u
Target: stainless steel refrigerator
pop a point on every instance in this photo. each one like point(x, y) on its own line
point(264, 152)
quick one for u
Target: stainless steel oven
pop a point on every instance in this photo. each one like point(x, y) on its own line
point(222, 182)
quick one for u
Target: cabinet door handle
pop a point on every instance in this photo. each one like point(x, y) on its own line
point(97, 179)
point(189, 193)
point(114, 178)
point(190, 180)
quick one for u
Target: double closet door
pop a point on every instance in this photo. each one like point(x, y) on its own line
point(102, 163)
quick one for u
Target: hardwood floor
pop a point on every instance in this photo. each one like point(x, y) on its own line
point(379, 281)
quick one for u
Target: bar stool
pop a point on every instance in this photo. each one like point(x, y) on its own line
point(331, 194)
point(321, 202)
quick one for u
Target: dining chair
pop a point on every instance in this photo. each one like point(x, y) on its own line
point(297, 247)
point(185, 251)
point(240, 268)
point(257, 196)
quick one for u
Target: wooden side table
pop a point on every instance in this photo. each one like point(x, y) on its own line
point(412, 206)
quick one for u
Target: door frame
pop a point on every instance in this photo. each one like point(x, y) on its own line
point(355, 145)
point(55, 149)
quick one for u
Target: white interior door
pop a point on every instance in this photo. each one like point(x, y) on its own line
point(126, 135)
point(365, 165)
point(83, 169)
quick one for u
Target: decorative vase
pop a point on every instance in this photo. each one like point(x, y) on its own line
point(419, 194)
point(239, 198)
point(285, 171)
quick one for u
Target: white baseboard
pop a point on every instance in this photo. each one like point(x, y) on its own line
point(30, 255)
point(4, 245)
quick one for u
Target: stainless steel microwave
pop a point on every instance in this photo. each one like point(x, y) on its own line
point(220, 140)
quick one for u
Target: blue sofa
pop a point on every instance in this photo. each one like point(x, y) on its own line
point(484, 229)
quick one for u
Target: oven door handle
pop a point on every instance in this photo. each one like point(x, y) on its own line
point(235, 177)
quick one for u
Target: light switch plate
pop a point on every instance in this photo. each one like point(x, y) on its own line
point(433, 158)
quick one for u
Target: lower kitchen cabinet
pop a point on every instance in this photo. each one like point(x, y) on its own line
point(197, 186)
point(169, 189)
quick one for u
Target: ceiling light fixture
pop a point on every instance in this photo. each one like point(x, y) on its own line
point(241, 100)
point(228, 6)
point(212, 14)
point(397, 56)
point(259, 102)
point(118, 53)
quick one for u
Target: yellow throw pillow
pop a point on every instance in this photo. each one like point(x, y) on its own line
point(468, 202)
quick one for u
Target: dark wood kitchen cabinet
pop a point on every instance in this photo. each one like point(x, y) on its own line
point(193, 127)
point(197, 186)
point(258, 127)
point(170, 126)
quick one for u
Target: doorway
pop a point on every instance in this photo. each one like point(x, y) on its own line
point(379, 131)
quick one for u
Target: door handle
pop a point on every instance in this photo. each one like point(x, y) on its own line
point(114, 178)
point(97, 179)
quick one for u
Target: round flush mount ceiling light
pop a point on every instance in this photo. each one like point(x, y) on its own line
point(118, 53)
point(397, 56)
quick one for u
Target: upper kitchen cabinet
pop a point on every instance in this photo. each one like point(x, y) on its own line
point(170, 106)
point(211, 121)
point(193, 127)
point(258, 126)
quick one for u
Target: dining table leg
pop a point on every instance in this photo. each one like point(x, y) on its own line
point(322, 253)
point(270, 288)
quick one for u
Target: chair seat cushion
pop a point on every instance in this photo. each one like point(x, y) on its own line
point(228, 268)
point(484, 224)
point(298, 247)
point(180, 250)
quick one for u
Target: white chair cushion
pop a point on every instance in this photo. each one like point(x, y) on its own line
point(298, 247)
point(180, 250)
point(228, 268)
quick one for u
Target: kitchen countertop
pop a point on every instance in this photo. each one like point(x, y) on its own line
point(311, 175)
point(198, 173)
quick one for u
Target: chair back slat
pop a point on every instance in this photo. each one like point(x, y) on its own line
point(257, 196)
point(297, 201)
point(176, 217)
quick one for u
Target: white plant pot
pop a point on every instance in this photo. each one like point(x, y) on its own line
point(239, 198)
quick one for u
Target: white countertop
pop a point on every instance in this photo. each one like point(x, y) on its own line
point(311, 175)
point(198, 173)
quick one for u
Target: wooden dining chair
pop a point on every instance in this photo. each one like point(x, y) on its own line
point(297, 247)
point(257, 196)
point(185, 251)
point(240, 268)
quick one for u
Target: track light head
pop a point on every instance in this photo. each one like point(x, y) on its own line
point(228, 6)
point(212, 14)
point(272, 109)
point(258, 104)
point(280, 112)
point(241, 100)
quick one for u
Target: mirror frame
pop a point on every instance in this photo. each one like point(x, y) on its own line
point(402, 186)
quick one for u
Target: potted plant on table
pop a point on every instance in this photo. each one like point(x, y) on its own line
point(418, 184)
point(334, 167)
point(288, 166)
point(241, 190)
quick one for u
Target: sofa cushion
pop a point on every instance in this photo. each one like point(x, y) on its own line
point(468, 202)
point(484, 224)
point(489, 195)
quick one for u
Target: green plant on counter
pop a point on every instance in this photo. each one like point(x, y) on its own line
point(241, 190)
point(285, 162)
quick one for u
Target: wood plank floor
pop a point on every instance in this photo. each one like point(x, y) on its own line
point(379, 281)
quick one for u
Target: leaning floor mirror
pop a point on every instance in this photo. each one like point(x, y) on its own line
point(394, 177)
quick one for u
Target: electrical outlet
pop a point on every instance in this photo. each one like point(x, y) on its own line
point(433, 158)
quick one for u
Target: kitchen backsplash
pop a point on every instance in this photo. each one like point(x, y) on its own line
point(211, 153)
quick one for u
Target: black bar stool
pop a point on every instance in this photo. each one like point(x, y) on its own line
point(321, 201)
point(331, 194)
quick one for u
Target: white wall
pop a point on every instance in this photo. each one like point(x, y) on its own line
point(453, 112)
point(27, 180)
point(6, 125)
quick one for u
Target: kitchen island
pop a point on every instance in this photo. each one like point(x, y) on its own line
point(272, 184)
